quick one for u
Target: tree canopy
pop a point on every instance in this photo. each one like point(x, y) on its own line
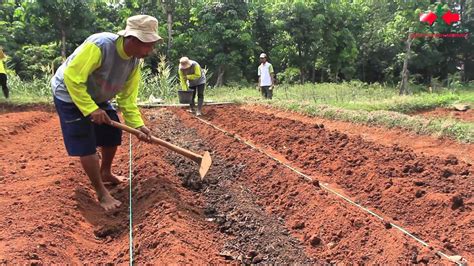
point(306, 41)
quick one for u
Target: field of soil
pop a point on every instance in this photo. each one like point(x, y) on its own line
point(249, 208)
point(466, 116)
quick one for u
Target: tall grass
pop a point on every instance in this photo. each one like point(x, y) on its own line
point(162, 85)
point(441, 127)
point(349, 95)
point(36, 90)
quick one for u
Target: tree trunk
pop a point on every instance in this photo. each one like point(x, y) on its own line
point(170, 31)
point(63, 44)
point(220, 76)
point(404, 83)
point(301, 64)
point(168, 9)
point(313, 74)
point(301, 74)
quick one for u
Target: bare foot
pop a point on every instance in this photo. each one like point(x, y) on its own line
point(108, 202)
point(113, 179)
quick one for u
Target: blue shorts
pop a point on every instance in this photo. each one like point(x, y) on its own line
point(81, 136)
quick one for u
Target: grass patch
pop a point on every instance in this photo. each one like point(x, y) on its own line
point(348, 95)
point(22, 92)
point(354, 101)
point(450, 128)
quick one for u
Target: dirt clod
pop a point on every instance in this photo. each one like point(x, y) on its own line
point(105, 231)
point(457, 202)
point(315, 183)
point(315, 241)
point(252, 253)
point(419, 183)
point(257, 259)
point(447, 173)
point(298, 226)
point(419, 193)
point(452, 160)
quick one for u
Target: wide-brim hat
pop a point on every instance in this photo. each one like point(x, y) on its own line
point(184, 63)
point(143, 27)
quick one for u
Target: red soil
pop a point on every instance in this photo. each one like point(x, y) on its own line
point(428, 145)
point(49, 213)
point(467, 115)
point(414, 190)
point(249, 208)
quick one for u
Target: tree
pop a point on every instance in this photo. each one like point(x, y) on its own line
point(222, 34)
point(69, 19)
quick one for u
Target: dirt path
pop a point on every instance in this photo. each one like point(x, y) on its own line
point(49, 213)
point(430, 196)
point(252, 235)
point(428, 145)
point(248, 210)
point(467, 116)
point(330, 230)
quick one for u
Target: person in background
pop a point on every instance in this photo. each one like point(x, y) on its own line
point(190, 72)
point(3, 74)
point(266, 77)
point(104, 66)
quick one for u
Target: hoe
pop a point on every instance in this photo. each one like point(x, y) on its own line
point(204, 161)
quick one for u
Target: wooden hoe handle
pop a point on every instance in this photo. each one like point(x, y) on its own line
point(189, 154)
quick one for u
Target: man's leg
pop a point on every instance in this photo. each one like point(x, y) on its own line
point(108, 154)
point(191, 104)
point(264, 93)
point(79, 139)
point(90, 163)
point(200, 93)
point(270, 93)
point(3, 83)
point(108, 138)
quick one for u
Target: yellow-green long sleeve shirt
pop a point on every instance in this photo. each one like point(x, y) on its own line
point(193, 74)
point(96, 72)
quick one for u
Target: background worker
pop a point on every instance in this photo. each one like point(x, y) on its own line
point(190, 71)
point(266, 77)
point(104, 66)
point(3, 73)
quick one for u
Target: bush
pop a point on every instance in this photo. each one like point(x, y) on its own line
point(291, 75)
point(162, 85)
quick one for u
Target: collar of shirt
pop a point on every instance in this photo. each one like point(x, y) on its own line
point(120, 49)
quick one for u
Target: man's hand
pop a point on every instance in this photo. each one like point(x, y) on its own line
point(100, 116)
point(145, 135)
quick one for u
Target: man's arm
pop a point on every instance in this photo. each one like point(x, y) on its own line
point(272, 74)
point(127, 100)
point(182, 80)
point(76, 74)
point(259, 76)
point(197, 73)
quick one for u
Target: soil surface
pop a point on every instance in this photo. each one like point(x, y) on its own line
point(420, 192)
point(428, 145)
point(467, 115)
point(248, 209)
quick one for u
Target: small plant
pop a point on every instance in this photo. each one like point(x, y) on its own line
point(162, 85)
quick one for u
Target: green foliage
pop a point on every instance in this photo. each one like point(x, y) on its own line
point(161, 85)
point(37, 89)
point(289, 76)
point(36, 61)
point(336, 41)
